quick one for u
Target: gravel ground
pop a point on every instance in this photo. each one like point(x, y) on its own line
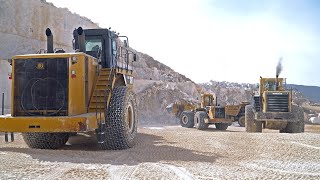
point(172, 152)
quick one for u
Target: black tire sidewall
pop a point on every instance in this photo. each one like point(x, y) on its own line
point(242, 121)
point(199, 120)
point(118, 135)
point(45, 140)
point(298, 126)
point(221, 126)
point(189, 116)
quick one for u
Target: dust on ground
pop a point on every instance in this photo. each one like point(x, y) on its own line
point(172, 152)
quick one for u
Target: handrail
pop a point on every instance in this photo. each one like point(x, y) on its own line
point(97, 75)
point(123, 60)
point(106, 98)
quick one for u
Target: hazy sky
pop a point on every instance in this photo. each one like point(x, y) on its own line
point(223, 40)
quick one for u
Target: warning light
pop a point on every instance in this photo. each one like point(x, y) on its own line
point(73, 74)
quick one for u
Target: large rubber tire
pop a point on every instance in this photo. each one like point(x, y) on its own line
point(199, 120)
point(222, 126)
point(242, 121)
point(296, 127)
point(251, 124)
point(187, 119)
point(45, 140)
point(121, 120)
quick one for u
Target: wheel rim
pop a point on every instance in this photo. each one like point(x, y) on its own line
point(184, 119)
point(197, 120)
point(242, 121)
point(130, 117)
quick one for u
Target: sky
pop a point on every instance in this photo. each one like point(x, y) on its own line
point(220, 40)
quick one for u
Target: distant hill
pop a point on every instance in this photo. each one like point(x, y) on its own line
point(310, 92)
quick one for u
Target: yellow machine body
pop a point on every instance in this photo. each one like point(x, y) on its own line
point(234, 110)
point(82, 106)
point(273, 86)
point(227, 114)
point(56, 94)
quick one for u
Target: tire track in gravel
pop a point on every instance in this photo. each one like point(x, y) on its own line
point(172, 153)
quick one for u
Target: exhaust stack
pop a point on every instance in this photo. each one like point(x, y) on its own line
point(216, 100)
point(81, 40)
point(278, 71)
point(49, 40)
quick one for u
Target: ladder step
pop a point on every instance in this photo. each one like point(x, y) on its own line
point(104, 87)
point(96, 107)
point(93, 110)
point(100, 93)
point(103, 78)
point(99, 90)
point(105, 69)
point(104, 73)
point(97, 103)
point(98, 99)
point(103, 83)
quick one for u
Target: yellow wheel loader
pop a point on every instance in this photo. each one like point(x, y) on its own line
point(57, 94)
point(272, 108)
point(207, 112)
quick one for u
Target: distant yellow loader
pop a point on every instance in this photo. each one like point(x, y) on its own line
point(208, 112)
point(273, 109)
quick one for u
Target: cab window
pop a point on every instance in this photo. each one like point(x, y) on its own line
point(93, 44)
point(207, 101)
point(114, 48)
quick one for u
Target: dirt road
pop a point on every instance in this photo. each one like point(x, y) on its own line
point(172, 153)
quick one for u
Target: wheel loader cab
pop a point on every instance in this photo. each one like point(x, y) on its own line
point(207, 100)
point(99, 43)
point(272, 95)
point(271, 84)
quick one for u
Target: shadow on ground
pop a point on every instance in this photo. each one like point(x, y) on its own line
point(148, 148)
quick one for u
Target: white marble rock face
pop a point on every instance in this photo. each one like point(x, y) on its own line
point(23, 25)
point(22, 31)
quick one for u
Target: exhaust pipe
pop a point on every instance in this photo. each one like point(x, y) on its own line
point(216, 100)
point(81, 40)
point(278, 71)
point(49, 40)
point(277, 82)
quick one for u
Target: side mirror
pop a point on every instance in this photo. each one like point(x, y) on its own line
point(125, 43)
point(73, 44)
point(10, 61)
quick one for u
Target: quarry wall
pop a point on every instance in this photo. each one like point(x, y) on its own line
point(22, 31)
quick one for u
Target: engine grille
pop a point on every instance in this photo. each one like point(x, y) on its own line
point(257, 102)
point(277, 102)
point(219, 112)
point(41, 87)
